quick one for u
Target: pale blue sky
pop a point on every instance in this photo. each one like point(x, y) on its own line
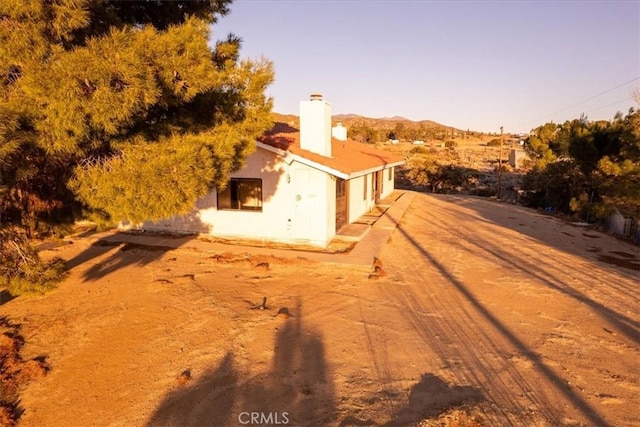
point(467, 64)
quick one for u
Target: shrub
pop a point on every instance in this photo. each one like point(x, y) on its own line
point(450, 144)
point(560, 185)
point(494, 142)
point(440, 178)
point(419, 149)
point(22, 271)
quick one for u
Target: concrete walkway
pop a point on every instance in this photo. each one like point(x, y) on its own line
point(363, 254)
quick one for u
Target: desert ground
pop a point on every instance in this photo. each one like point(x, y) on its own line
point(481, 313)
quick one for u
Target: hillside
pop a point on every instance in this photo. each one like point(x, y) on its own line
point(367, 129)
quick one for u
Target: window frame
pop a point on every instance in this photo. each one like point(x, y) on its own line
point(235, 203)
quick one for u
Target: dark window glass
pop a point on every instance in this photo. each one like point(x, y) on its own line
point(241, 194)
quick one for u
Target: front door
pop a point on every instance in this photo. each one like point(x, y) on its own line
point(302, 220)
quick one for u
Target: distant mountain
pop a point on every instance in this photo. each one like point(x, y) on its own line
point(409, 129)
point(347, 116)
point(369, 121)
point(396, 118)
point(286, 118)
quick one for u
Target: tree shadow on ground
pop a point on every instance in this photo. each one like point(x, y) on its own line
point(576, 240)
point(127, 249)
point(552, 378)
point(543, 269)
point(209, 401)
point(5, 296)
point(297, 390)
point(428, 399)
point(15, 372)
point(431, 397)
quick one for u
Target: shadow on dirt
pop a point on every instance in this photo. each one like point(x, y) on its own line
point(15, 372)
point(561, 235)
point(432, 397)
point(297, 390)
point(544, 268)
point(552, 379)
point(127, 249)
point(5, 296)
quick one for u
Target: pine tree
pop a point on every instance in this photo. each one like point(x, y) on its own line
point(587, 167)
point(121, 107)
point(116, 109)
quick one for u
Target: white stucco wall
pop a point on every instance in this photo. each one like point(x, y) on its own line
point(358, 205)
point(285, 217)
point(387, 185)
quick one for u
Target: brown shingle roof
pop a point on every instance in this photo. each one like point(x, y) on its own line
point(346, 156)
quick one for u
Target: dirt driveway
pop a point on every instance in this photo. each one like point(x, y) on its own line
point(484, 314)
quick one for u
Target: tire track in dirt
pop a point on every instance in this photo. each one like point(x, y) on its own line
point(443, 243)
point(467, 356)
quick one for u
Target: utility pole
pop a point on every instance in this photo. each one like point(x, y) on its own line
point(500, 168)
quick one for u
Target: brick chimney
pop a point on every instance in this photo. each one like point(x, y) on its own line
point(315, 125)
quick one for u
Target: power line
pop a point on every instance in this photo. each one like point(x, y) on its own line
point(585, 100)
point(609, 105)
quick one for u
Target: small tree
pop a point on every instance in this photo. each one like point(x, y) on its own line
point(127, 98)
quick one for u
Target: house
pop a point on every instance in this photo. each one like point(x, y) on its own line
point(299, 186)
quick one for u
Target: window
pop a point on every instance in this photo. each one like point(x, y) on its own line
point(390, 174)
point(241, 194)
point(364, 194)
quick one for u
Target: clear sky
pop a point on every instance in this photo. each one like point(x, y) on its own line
point(467, 64)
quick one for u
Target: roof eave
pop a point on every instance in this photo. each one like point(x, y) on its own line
point(286, 155)
point(320, 167)
point(356, 174)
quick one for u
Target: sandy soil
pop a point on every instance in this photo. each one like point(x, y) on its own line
point(481, 314)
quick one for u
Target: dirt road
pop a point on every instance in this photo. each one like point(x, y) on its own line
point(485, 314)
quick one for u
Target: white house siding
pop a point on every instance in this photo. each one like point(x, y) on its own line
point(358, 204)
point(268, 223)
point(387, 185)
point(284, 217)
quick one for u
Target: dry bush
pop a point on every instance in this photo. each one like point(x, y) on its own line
point(22, 271)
